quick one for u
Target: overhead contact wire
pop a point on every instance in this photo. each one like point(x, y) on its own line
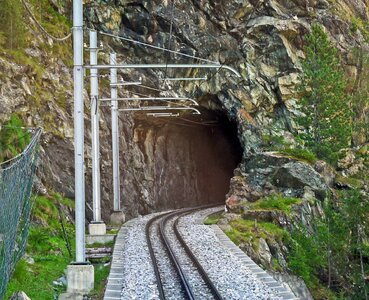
point(157, 47)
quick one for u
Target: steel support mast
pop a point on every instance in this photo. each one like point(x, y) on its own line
point(79, 130)
point(115, 133)
point(95, 117)
point(80, 274)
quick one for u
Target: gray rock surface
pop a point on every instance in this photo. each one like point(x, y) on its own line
point(297, 175)
point(261, 39)
point(267, 173)
point(19, 296)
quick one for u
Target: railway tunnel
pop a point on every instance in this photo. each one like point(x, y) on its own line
point(181, 161)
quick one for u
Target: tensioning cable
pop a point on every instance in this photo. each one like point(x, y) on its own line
point(170, 37)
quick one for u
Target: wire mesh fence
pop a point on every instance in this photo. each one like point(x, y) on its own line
point(16, 180)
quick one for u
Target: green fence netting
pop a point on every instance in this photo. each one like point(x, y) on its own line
point(16, 180)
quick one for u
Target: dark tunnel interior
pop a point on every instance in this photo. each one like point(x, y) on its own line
point(191, 158)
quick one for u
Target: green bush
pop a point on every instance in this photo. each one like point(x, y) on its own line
point(48, 246)
point(2, 39)
point(13, 138)
point(213, 219)
point(307, 255)
point(276, 201)
point(335, 251)
point(359, 24)
point(248, 230)
point(101, 275)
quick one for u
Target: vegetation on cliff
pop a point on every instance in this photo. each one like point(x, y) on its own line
point(336, 109)
point(335, 117)
point(336, 251)
point(28, 56)
point(11, 19)
point(49, 249)
point(13, 138)
point(327, 116)
point(325, 241)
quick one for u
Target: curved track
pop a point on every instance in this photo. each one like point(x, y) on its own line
point(182, 272)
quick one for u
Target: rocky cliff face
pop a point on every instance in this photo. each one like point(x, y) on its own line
point(186, 161)
point(173, 162)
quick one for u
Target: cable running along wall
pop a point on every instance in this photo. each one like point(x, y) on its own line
point(16, 180)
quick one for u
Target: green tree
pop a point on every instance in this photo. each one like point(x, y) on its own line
point(360, 96)
point(327, 120)
point(12, 23)
point(355, 212)
point(335, 252)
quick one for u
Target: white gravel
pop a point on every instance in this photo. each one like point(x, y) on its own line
point(231, 277)
point(137, 278)
point(198, 286)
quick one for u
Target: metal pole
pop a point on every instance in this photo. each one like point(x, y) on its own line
point(114, 132)
point(158, 115)
point(153, 99)
point(183, 78)
point(95, 117)
point(126, 84)
point(154, 108)
point(170, 66)
point(79, 130)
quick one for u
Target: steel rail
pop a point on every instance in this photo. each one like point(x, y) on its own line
point(183, 278)
point(159, 282)
point(174, 259)
point(193, 258)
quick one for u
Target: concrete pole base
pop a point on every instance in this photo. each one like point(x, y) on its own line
point(69, 296)
point(117, 218)
point(97, 228)
point(80, 279)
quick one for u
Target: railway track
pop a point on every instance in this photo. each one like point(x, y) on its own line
point(173, 255)
point(192, 281)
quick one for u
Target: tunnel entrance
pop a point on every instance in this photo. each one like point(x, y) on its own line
point(190, 159)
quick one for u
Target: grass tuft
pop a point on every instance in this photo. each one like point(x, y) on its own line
point(276, 202)
point(213, 219)
point(101, 245)
point(101, 275)
point(243, 231)
point(299, 154)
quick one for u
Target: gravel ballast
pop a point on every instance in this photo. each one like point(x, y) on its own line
point(232, 278)
point(132, 274)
